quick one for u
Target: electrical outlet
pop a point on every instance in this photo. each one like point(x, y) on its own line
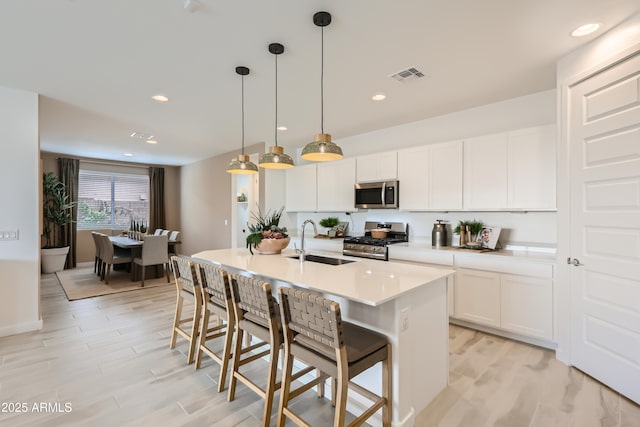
point(9, 235)
point(404, 318)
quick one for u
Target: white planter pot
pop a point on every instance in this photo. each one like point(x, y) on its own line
point(53, 259)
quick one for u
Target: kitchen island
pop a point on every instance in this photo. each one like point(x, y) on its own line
point(407, 303)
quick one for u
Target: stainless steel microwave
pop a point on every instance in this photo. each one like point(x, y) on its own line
point(377, 195)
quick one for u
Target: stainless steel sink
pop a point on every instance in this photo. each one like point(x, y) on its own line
point(324, 259)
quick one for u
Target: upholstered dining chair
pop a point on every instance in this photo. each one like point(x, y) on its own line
point(157, 232)
point(187, 288)
point(165, 232)
point(315, 334)
point(216, 301)
point(256, 314)
point(109, 256)
point(154, 252)
point(97, 263)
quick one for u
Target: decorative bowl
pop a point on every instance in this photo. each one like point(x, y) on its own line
point(272, 246)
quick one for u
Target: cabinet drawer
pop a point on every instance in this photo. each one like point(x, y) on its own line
point(425, 256)
point(508, 266)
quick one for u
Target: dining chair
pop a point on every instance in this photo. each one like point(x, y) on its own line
point(154, 252)
point(97, 263)
point(174, 237)
point(165, 232)
point(157, 232)
point(216, 301)
point(187, 288)
point(109, 256)
point(315, 334)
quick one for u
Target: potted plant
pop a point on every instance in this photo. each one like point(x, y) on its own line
point(57, 213)
point(468, 231)
point(330, 223)
point(267, 237)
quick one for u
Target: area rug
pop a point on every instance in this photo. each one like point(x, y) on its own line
point(81, 282)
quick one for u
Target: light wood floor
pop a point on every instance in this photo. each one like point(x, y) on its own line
point(108, 359)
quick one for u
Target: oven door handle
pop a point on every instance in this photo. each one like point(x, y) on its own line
point(384, 187)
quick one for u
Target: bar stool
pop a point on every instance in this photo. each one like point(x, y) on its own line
point(256, 313)
point(315, 334)
point(187, 287)
point(216, 300)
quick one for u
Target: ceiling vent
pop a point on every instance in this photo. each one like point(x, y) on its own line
point(407, 74)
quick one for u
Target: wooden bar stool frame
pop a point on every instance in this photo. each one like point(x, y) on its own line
point(315, 334)
point(187, 286)
point(256, 313)
point(216, 300)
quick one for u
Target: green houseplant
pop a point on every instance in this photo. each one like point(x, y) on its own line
point(330, 224)
point(475, 227)
point(267, 236)
point(57, 213)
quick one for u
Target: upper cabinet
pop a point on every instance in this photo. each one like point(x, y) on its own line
point(301, 189)
point(377, 167)
point(321, 187)
point(485, 172)
point(511, 170)
point(335, 185)
point(532, 168)
point(431, 177)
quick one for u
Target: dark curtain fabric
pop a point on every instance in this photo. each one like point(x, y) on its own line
point(156, 199)
point(69, 173)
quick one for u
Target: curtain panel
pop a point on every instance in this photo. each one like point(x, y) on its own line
point(69, 172)
point(156, 199)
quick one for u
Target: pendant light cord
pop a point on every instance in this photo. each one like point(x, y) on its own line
point(275, 128)
point(322, 80)
point(242, 91)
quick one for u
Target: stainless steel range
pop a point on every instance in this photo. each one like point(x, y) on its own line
point(376, 248)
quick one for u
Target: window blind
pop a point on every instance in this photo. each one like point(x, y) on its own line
point(111, 200)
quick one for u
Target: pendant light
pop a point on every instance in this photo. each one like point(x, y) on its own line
point(322, 149)
point(276, 158)
point(242, 165)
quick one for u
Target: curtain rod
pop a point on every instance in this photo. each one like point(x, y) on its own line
point(107, 163)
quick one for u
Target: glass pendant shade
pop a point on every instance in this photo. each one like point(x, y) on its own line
point(242, 165)
point(275, 159)
point(322, 149)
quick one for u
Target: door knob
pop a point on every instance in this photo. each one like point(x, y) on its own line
point(575, 261)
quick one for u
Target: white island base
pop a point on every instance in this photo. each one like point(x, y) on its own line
point(407, 303)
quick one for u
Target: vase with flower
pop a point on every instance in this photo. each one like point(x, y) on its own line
point(267, 237)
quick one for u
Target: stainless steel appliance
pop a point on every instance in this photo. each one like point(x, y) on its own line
point(370, 247)
point(439, 234)
point(377, 195)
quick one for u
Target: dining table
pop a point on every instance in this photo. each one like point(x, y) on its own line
point(135, 248)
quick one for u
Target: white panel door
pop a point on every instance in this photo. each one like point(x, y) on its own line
point(604, 144)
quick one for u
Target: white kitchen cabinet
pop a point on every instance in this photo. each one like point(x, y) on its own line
point(377, 167)
point(485, 172)
point(532, 168)
point(431, 177)
point(301, 189)
point(477, 297)
point(526, 305)
point(336, 186)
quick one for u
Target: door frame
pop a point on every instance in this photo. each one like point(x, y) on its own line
point(562, 290)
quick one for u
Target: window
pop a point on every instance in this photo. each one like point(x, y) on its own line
point(111, 200)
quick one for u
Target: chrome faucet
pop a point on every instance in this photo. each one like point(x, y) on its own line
point(315, 231)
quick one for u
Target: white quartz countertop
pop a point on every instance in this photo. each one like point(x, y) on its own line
point(370, 282)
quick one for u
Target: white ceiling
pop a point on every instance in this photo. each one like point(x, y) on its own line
point(97, 63)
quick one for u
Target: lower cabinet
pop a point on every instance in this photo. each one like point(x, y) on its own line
point(514, 303)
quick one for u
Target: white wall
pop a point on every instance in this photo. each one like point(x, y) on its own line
point(535, 228)
point(19, 189)
point(610, 47)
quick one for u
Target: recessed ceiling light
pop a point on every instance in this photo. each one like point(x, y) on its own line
point(585, 29)
point(160, 98)
point(128, 154)
point(282, 128)
point(378, 96)
point(151, 141)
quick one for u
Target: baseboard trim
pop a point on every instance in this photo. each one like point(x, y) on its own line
point(21, 328)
